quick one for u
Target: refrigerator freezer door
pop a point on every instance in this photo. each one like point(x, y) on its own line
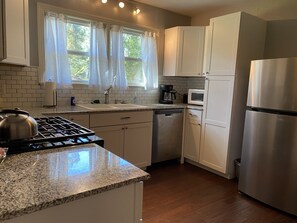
point(268, 170)
point(273, 84)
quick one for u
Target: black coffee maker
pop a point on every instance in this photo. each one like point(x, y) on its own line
point(167, 94)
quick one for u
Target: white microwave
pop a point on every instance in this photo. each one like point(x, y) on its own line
point(195, 96)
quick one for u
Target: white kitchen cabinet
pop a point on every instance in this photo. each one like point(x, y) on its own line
point(126, 134)
point(232, 41)
point(221, 51)
point(216, 122)
point(16, 33)
point(183, 53)
point(191, 147)
point(81, 119)
point(113, 138)
point(122, 205)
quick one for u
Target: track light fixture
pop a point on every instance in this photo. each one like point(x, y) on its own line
point(121, 5)
point(136, 11)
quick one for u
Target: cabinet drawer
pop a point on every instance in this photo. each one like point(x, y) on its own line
point(81, 119)
point(119, 118)
point(194, 116)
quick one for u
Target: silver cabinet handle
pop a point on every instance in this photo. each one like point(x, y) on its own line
point(193, 115)
point(125, 118)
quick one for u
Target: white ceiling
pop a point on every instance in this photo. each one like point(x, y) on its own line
point(190, 7)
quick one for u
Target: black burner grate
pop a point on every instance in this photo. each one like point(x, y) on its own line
point(53, 132)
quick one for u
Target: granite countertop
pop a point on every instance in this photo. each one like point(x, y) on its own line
point(37, 180)
point(39, 111)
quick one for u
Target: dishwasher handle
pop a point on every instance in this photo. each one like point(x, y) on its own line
point(168, 112)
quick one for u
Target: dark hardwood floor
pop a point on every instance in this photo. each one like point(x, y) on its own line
point(188, 194)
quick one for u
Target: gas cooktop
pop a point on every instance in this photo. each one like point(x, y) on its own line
point(53, 132)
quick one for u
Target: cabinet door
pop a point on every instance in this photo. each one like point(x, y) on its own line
point(138, 144)
point(192, 135)
point(17, 32)
point(216, 122)
point(190, 51)
point(170, 51)
point(113, 137)
point(223, 36)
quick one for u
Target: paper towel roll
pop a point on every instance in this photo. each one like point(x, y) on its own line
point(50, 94)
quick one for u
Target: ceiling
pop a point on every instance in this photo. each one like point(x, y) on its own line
point(190, 7)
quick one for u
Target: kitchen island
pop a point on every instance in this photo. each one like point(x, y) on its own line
point(70, 184)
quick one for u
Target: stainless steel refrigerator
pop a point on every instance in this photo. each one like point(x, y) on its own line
point(268, 170)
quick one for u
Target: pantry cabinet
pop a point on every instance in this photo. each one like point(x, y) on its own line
point(216, 122)
point(191, 145)
point(222, 39)
point(232, 41)
point(16, 34)
point(126, 134)
point(183, 53)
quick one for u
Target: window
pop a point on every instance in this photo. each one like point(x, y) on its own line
point(66, 49)
point(133, 61)
point(78, 48)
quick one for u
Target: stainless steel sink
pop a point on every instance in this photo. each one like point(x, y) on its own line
point(128, 106)
point(110, 106)
point(95, 106)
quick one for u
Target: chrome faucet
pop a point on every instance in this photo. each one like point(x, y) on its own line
point(106, 95)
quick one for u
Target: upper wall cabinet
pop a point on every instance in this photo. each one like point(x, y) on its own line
point(183, 54)
point(231, 42)
point(221, 45)
point(16, 32)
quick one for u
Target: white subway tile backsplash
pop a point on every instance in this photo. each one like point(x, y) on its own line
point(19, 87)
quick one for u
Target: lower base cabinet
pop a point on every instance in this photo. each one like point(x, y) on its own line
point(126, 134)
point(123, 205)
point(132, 142)
point(192, 134)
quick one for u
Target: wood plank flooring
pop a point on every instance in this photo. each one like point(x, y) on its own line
point(187, 194)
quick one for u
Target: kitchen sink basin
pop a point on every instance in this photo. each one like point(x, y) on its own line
point(95, 106)
point(127, 106)
point(110, 106)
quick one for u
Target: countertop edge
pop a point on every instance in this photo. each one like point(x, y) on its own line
point(42, 206)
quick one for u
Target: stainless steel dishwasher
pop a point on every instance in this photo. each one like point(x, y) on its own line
point(167, 134)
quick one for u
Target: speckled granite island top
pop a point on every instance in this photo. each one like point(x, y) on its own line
point(37, 180)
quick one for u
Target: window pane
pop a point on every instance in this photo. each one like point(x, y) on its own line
point(134, 72)
point(79, 66)
point(78, 37)
point(132, 45)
